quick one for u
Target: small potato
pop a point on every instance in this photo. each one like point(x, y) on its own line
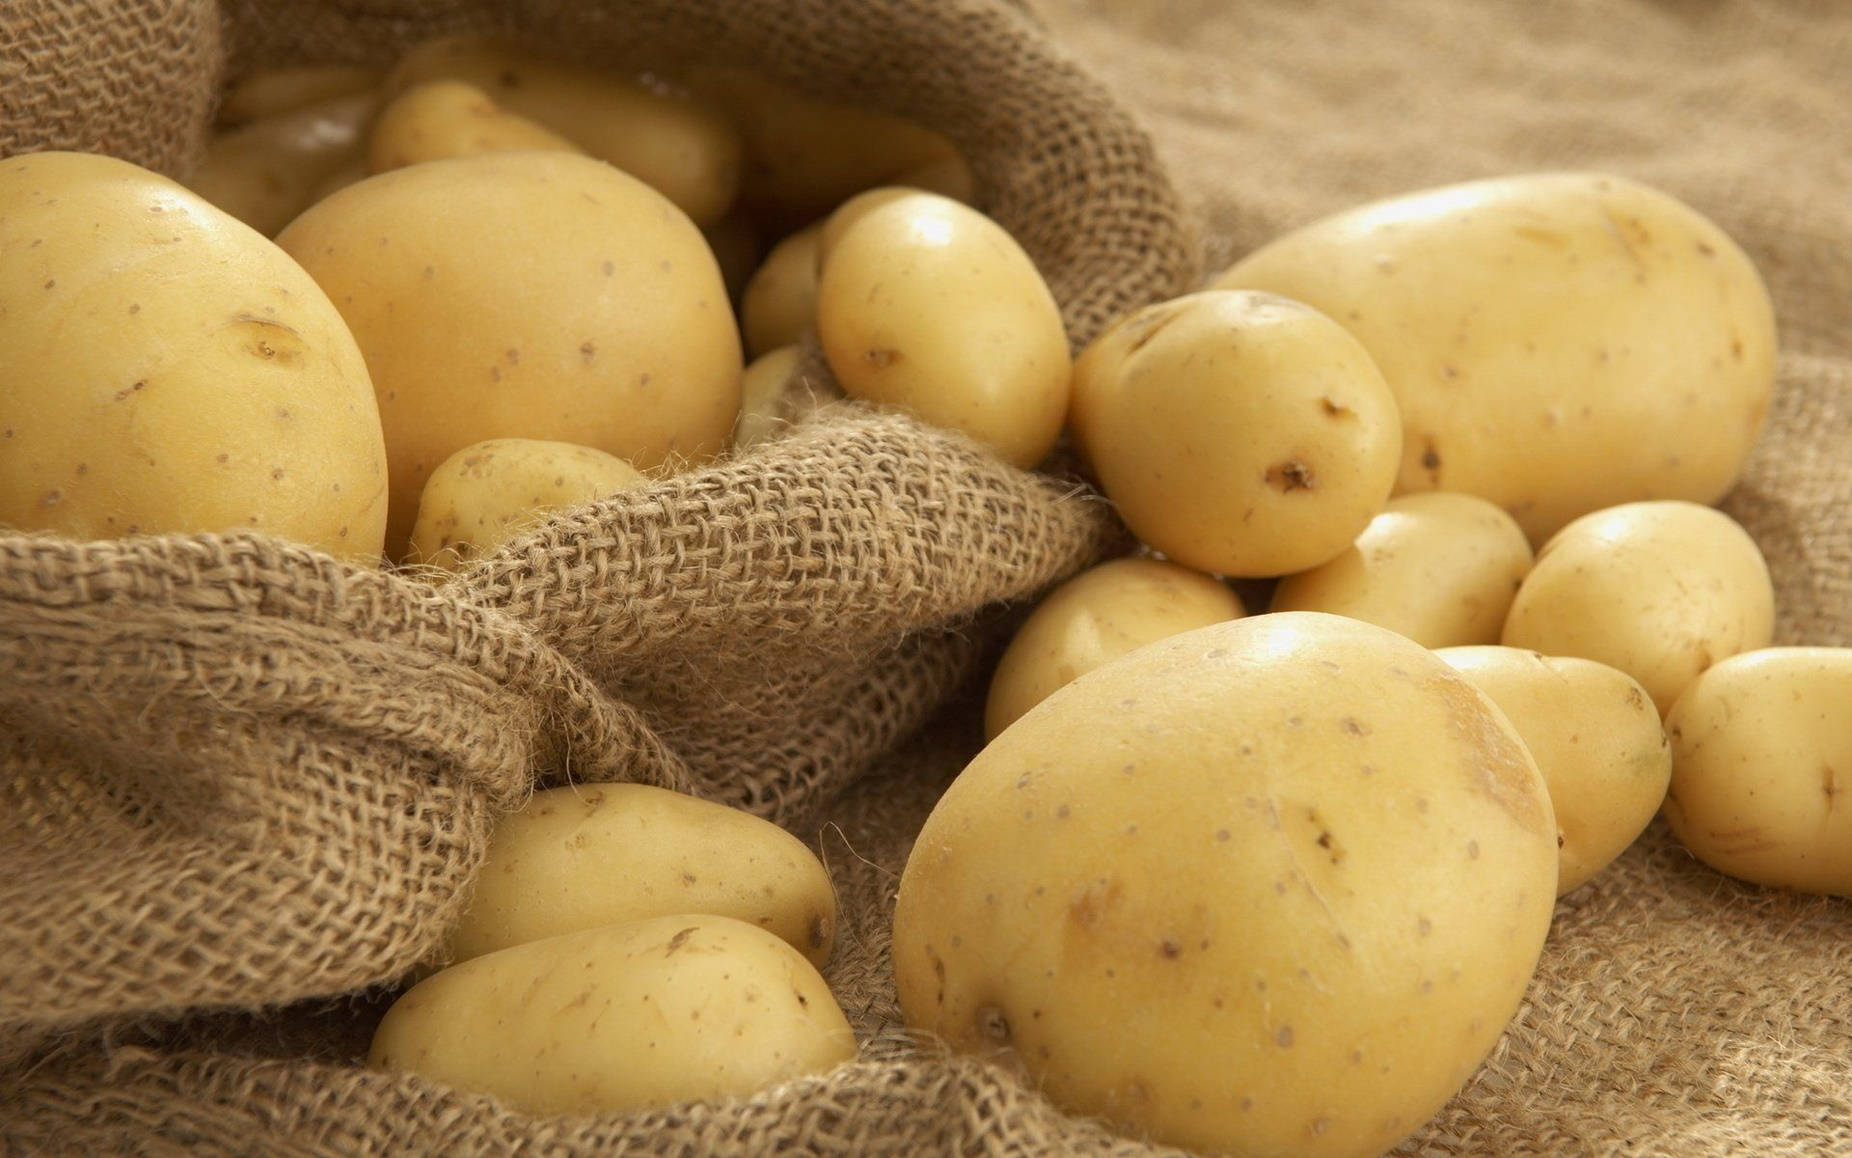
point(1440, 568)
point(930, 307)
point(620, 1018)
point(780, 302)
point(597, 854)
point(488, 492)
point(268, 171)
point(1761, 758)
point(1661, 590)
point(1596, 737)
point(1238, 433)
point(684, 150)
point(1097, 616)
point(275, 92)
point(1557, 342)
point(448, 118)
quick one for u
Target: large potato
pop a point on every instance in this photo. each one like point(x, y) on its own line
point(526, 295)
point(620, 1018)
point(1441, 568)
point(1274, 886)
point(1661, 590)
point(1238, 433)
point(928, 306)
point(1097, 616)
point(165, 368)
point(1558, 342)
point(597, 854)
point(1762, 759)
point(1596, 738)
point(488, 492)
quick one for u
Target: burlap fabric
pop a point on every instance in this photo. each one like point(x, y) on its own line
point(1674, 1013)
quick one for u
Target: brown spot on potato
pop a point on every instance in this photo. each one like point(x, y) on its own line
point(680, 939)
point(881, 359)
point(1283, 1037)
point(1146, 324)
point(1333, 409)
point(52, 498)
point(1354, 726)
point(1291, 475)
point(1169, 949)
point(1829, 785)
point(1430, 459)
point(992, 1025)
point(588, 349)
point(129, 391)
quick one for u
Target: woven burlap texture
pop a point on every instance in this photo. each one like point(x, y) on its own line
point(1674, 1012)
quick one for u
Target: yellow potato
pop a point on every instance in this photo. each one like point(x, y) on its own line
point(597, 854)
point(849, 212)
point(929, 307)
point(763, 386)
point(620, 1018)
point(526, 295)
point(166, 368)
point(1440, 568)
point(490, 491)
point(1238, 433)
point(1558, 342)
point(1596, 737)
point(780, 302)
point(274, 92)
point(1274, 886)
point(684, 150)
point(1660, 590)
point(448, 118)
point(1761, 767)
point(268, 171)
point(1094, 618)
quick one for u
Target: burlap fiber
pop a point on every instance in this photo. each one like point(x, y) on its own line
point(216, 716)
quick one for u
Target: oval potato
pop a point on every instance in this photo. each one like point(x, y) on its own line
point(780, 302)
point(274, 92)
point(448, 118)
point(486, 493)
point(269, 170)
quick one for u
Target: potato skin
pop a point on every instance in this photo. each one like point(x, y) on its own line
point(1557, 342)
point(449, 118)
point(526, 295)
point(167, 368)
point(488, 492)
point(1273, 886)
point(1762, 764)
point(596, 854)
point(620, 1018)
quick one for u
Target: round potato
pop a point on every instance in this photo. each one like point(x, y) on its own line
point(1097, 616)
point(1596, 737)
point(1238, 433)
point(448, 118)
point(1557, 342)
point(488, 492)
point(166, 368)
point(780, 301)
point(526, 295)
point(1273, 886)
point(620, 1018)
point(1660, 590)
point(273, 92)
point(1440, 568)
point(268, 171)
point(684, 150)
point(598, 854)
point(1761, 754)
point(928, 306)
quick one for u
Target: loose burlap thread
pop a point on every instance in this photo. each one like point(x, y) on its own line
point(1675, 1012)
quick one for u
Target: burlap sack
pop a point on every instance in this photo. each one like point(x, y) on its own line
point(1675, 1012)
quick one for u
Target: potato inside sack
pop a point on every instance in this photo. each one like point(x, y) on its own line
point(448, 118)
point(1238, 433)
point(534, 295)
point(266, 172)
point(486, 493)
point(1272, 886)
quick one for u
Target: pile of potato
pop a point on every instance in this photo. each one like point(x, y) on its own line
point(1255, 882)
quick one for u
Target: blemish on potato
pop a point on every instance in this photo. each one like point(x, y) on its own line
point(1423, 926)
point(1354, 726)
point(881, 359)
point(1283, 1037)
point(52, 498)
point(1291, 475)
point(680, 939)
point(129, 391)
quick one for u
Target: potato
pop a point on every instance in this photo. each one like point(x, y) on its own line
point(762, 394)
point(598, 854)
point(1761, 754)
point(168, 369)
point(526, 295)
point(275, 92)
point(1558, 342)
point(1238, 433)
point(780, 302)
point(1273, 886)
point(1097, 616)
point(620, 1018)
point(928, 306)
point(270, 170)
point(831, 229)
point(684, 150)
point(490, 491)
point(448, 118)
point(1595, 736)
point(1660, 590)
point(1440, 568)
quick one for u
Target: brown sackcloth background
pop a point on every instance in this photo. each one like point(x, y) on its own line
point(239, 784)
